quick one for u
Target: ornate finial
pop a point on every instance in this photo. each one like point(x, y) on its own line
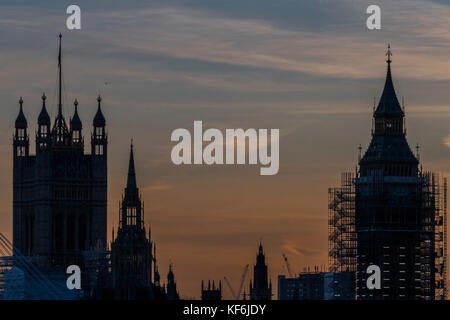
point(43, 96)
point(389, 54)
point(60, 35)
point(20, 101)
point(75, 102)
point(99, 99)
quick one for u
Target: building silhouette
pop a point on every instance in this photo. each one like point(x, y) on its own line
point(59, 193)
point(131, 251)
point(260, 288)
point(390, 213)
point(317, 286)
point(211, 292)
point(171, 291)
point(60, 212)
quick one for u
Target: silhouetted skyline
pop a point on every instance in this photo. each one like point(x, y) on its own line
point(310, 69)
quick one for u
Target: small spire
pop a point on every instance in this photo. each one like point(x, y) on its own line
point(60, 78)
point(44, 118)
point(99, 119)
point(21, 121)
point(388, 104)
point(76, 121)
point(131, 182)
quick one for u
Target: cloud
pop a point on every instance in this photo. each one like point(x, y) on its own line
point(300, 251)
point(446, 141)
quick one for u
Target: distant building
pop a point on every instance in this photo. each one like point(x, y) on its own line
point(317, 286)
point(211, 292)
point(172, 293)
point(260, 288)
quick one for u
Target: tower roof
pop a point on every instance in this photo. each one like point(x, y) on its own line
point(99, 119)
point(21, 121)
point(131, 181)
point(388, 104)
point(44, 118)
point(76, 122)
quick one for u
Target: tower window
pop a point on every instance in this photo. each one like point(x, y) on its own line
point(131, 216)
point(76, 136)
point(99, 149)
point(21, 151)
point(59, 135)
point(99, 132)
point(21, 134)
point(43, 131)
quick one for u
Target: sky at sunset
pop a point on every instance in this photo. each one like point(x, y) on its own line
point(308, 68)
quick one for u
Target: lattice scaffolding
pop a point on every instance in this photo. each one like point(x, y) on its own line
point(341, 225)
point(434, 195)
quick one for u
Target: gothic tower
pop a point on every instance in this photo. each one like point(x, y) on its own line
point(260, 289)
point(394, 226)
point(131, 250)
point(60, 193)
point(172, 293)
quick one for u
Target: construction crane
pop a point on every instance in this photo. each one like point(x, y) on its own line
point(237, 296)
point(242, 281)
point(288, 267)
point(229, 287)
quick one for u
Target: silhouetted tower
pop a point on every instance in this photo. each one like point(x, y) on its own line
point(131, 250)
point(260, 289)
point(211, 292)
point(393, 229)
point(59, 194)
point(172, 293)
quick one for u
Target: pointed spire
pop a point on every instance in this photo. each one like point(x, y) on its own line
point(131, 182)
point(99, 119)
point(21, 121)
point(60, 78)
point(44, 118)
point(76, 122)
point(388, 104)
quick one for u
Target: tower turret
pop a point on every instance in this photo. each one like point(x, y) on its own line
point(21, 140)
point(43, 132)
point(99, 138)
point(76, 127)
